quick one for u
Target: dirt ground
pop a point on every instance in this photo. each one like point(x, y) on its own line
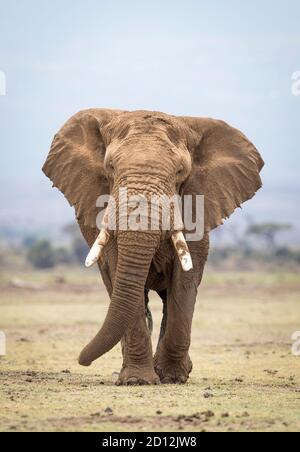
point(245, 377)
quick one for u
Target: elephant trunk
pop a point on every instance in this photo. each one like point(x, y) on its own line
point(135, 254)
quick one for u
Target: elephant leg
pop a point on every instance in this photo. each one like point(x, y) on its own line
point(138, 366)
point(172, 361)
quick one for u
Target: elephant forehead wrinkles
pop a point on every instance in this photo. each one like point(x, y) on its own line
point(138, 153)
point(145, 123)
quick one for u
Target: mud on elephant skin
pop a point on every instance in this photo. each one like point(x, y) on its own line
point(98, 152)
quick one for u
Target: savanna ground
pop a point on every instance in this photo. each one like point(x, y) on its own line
point(245, 377)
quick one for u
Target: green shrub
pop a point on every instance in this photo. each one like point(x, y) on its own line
point(42, 255)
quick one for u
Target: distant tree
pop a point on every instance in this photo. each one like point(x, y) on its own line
point(42, 255)
point(268, 232)
point(284, 253)
point(62, 256)
point(297, 256)
point(79, 247)
point(29, 241)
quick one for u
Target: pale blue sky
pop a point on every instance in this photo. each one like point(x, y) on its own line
point(226, 59)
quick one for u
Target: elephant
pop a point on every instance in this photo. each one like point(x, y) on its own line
point(99, 151)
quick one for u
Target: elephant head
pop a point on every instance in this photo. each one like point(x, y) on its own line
point(99, 151)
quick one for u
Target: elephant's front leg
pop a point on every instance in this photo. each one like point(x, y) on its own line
point(172, 361)
point(138, 367)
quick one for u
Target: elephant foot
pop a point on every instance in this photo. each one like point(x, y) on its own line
point(134, 376)
point(172, 371)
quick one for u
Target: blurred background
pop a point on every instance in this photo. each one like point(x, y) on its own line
point(228, 60)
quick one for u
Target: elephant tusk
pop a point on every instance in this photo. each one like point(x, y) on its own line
point(100, 242)
point(96, 250)
point(182, 251)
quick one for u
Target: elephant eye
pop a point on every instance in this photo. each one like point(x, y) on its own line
point(109, 166)
point(180, 170)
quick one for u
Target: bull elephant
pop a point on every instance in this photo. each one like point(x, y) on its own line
point(99, 151)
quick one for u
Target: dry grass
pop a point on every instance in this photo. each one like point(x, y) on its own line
point(244, 372)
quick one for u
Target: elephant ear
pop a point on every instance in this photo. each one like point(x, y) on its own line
point(226, 168)
point(75, 163)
